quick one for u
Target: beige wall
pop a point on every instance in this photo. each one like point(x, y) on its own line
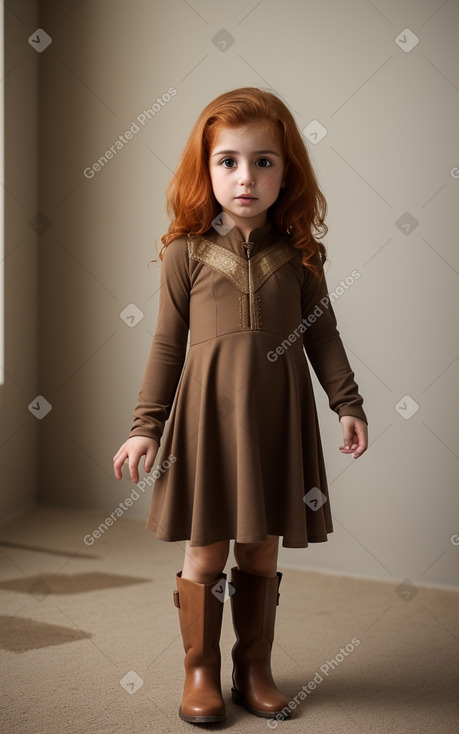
point(391, 118)
point(19, 430)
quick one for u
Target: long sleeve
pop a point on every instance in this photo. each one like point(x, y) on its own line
point(168, 349)
point(325, 349)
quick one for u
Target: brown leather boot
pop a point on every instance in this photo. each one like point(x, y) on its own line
point(253, 606)
point(200, 616)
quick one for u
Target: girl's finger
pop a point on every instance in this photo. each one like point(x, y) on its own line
point(361, 448)
point(118, 463)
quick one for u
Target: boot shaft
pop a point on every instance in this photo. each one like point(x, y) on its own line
point(253, 606)
point(200, 614)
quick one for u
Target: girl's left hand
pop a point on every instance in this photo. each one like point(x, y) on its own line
point(355, 436)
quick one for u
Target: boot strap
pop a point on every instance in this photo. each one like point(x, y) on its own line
point(176, 599)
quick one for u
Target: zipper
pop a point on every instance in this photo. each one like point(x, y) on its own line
point(248, 248)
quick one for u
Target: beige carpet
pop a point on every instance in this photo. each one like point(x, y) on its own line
point(77, 619)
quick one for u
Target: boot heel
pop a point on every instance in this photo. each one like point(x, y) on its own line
point(211, 718)
point(237, 697)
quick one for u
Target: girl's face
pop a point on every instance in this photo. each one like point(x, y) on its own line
point(246, 166)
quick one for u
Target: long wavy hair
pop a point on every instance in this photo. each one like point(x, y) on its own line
point(300, 208)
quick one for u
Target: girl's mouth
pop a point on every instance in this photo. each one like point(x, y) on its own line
point(247, 197)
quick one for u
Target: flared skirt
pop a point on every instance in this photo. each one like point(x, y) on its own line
point(243, 448)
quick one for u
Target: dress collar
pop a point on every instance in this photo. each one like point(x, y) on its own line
point(255, 235)
point(261, 237)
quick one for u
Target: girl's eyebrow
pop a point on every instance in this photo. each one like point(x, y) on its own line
point(236, 152)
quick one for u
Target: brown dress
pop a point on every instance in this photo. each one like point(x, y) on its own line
point(242, 435)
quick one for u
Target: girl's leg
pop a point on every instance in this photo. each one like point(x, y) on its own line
point(260, 558)
point(204, 563)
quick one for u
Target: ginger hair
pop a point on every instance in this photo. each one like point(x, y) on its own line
point(300, 208)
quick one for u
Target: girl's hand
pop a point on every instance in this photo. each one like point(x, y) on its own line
point(133, 449)
point(355, 436)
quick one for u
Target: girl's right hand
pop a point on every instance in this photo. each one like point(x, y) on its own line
point(133, 449)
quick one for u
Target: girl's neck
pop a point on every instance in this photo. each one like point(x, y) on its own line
point(247, 224)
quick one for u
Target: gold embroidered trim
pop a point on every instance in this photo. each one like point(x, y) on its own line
point(221, 259)
point(266, 262)
point(243, 320)
point(235, 267)
point(257, 312)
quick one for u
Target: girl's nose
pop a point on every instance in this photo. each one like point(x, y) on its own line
point(245, 176)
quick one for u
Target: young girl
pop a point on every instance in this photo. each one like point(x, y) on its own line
point(243, 274)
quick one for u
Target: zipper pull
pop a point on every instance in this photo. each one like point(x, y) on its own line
point(247, 247)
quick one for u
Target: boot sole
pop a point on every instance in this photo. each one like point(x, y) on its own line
point(238, 698)
point(211, 718)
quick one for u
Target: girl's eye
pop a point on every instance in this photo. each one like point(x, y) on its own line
point(231, 163)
